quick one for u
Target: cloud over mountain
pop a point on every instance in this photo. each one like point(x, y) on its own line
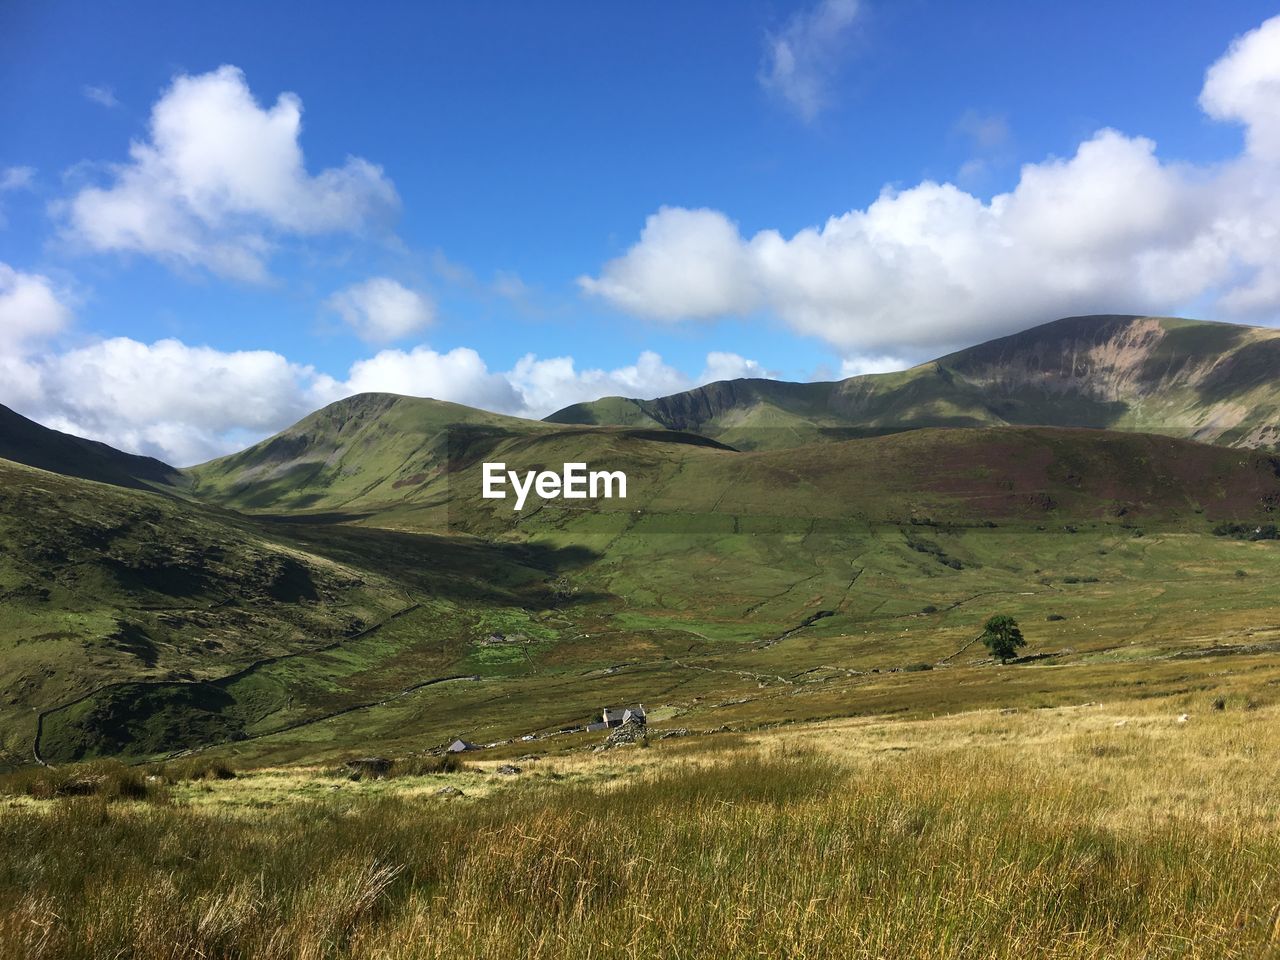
point(1114, 227)
point(185, 404)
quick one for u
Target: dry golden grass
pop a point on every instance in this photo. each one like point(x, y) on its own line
point(1097, 831)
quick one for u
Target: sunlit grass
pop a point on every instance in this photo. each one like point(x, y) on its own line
point(1094, 831)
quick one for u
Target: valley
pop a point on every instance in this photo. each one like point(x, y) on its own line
point(345, 585)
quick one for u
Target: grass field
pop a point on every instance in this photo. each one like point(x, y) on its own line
point(855, 776)
point(1096, 830)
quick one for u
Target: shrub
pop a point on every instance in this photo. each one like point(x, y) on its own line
point(193, 769)
point(1247, 531)
point(420, 765)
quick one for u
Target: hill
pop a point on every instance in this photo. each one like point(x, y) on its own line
point(344, 586)
point(137, 622)
point(25, 441)
point(1215, 382)
point(365, 447)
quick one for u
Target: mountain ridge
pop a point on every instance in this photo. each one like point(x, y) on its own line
point(24, 441)
point(1201, 380)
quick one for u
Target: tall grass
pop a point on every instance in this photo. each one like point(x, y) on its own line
point(103, 779)
point(775, 855)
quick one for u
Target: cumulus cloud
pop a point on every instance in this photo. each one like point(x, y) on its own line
point(731, 366)
point(1112, 228)
point(165, 399)
point(219, 180)
point(547, 385)
point(380, 310)
point(1244, 87)
point(186, 404)
point(801, 61)
point(31, 309)
point(688, 263)
point(460, 376)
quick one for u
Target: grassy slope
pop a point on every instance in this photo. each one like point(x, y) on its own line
point(104, 584)
point(1208, 381)
point(672, 596)
point(158, 600)
point(366, 447)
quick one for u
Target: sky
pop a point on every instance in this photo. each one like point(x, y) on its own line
point(216, 218)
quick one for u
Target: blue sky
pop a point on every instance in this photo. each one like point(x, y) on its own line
point(601, 182)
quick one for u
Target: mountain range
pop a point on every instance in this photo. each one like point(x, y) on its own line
point(348, 561)
point(1214, 382)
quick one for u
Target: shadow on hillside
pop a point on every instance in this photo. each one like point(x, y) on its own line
point(1251, 366)
point(453, 568)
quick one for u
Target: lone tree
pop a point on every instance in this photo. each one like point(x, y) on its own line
point(1002, 637)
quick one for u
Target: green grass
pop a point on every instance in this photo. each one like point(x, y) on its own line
point(696, 595)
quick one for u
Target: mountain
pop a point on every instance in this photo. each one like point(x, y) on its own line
point(416, 465)
point(367, 447)
point(333, 616)
point(25, 441)
point(1214, 382)
point(344, 586)
point(133, 621)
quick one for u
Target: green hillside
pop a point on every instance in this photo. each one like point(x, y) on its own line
point(1215, 382)
point(750, 588)
point(365, 447)
point(134, 622)
point(343, 585)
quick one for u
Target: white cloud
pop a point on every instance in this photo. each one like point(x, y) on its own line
point(166, 399)
point(801, 60)
point(31, 309)
point(219, 180)
point(103, 96)
point(547, 385)
point(731, 366)
point(380, 310)
point(186, 404)
point(1112, 228)
point(862, 365)
point(460, 376)
point(17, 178)
point(687, 263)
point(13, 179)
point(1244, 86)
